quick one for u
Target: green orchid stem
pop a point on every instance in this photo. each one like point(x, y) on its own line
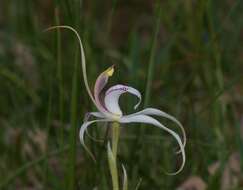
point(115, 137)
point(112, 158)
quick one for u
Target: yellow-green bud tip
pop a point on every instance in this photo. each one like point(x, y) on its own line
point(110, 71)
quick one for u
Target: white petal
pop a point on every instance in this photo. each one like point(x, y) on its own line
point(157, 112)
point(86, 118)
point(95, 114)
point(149, 120)
point(113, 94)
point(83, 128)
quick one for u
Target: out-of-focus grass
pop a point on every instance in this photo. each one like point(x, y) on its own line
point(196, 76)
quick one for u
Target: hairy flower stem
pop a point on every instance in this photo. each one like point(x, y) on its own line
point(112, 155)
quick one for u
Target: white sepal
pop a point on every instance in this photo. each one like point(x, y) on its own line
point(95, 114)
point(83, 128)
point(157, 112)
point(149, 120)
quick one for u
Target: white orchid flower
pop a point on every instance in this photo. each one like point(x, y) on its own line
point(109, 110)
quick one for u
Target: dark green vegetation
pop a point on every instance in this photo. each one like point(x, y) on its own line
point(184, 56)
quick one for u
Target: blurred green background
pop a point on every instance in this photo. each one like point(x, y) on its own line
point(186, 58)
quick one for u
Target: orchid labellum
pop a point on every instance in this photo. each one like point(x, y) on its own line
point(107, 104)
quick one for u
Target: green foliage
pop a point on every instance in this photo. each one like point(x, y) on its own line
point(185, 56)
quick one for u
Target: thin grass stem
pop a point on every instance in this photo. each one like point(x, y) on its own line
point(73, 132)
point(48, 126)
point(60, 78)
point(150, 73)
point(139, 144)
